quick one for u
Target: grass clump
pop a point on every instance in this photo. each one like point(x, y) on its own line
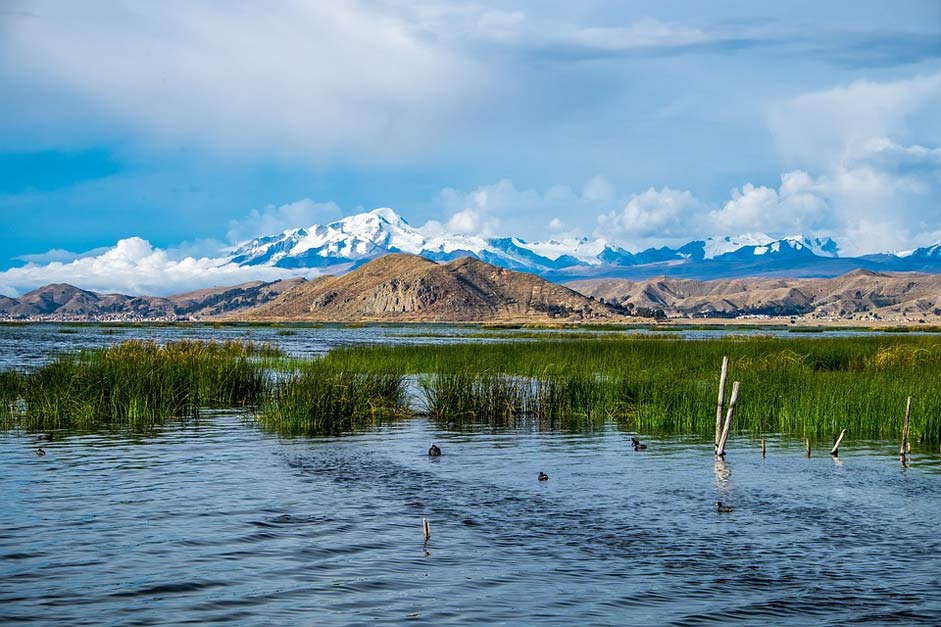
point(319, 401)
point(139, 384)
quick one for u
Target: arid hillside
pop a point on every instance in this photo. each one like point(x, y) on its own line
point(860, 294)
point(402, 287)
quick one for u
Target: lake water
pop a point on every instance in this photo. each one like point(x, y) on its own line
point(218, 522)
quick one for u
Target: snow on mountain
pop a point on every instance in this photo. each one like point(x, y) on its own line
point(356, 239)
point(718, 246)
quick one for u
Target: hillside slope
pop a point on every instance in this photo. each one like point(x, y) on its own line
point(402, 287)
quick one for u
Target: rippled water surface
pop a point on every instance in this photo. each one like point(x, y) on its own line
point(220, 523)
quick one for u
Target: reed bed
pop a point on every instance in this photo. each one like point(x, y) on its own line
point(812, 387)
point(138, 384)
point(318, 401)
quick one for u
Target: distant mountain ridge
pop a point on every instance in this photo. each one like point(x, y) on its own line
point(348, 243)
point(860, 294)
point(61, 301)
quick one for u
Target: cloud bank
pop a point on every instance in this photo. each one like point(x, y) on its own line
point(133, 266)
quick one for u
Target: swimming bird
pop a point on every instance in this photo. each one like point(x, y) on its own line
point(722, 508)
point(543, 476)
point(40, 452)
point(637, 445)
point(434, 451)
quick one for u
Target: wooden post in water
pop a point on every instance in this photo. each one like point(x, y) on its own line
point(808, 448)
point(720, 405)
point(904, 449)
point(426, 528)
point(764, 449)
point(835, 451)
point(720, 450)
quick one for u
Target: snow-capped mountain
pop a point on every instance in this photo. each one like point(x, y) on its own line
point(354, 240)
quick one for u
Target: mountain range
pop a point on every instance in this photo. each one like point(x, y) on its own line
point(858, 295)
point(400, 287)
point(61, 301)
point(392, 288)
point(348, 243)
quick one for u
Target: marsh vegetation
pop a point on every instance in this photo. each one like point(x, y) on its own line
point(804, 386)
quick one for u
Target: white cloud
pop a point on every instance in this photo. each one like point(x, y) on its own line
point(654, 216)
point(799, 205)
point(133, 266)
point(819, 129)
point(275, 219)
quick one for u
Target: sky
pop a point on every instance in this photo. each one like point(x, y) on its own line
point(138, 140)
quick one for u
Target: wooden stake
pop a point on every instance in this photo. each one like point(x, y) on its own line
point(426, 528)
point(835, 451)
point(720, 451)
point(721, 403)
point(808, 448)
point(908, 411)
point(764, 449)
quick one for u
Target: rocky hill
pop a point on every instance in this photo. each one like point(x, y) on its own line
point(62, 301)
point(402, 287)
point(860, 294)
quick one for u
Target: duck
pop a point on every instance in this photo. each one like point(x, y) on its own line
point(724, 509)
point(637, 445)
point(434, 451)
point(40, 452)
point(543, 476)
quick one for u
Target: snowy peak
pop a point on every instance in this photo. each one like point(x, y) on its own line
point(357, 239)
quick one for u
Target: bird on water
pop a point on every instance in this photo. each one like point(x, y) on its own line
point(637, 445)
point(434, 451)
point(722, 508)
point(40, 452)
point(543, 476)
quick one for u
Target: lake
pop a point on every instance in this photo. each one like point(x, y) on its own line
point(219, 522)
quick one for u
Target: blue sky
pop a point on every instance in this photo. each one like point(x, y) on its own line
point(641, 122)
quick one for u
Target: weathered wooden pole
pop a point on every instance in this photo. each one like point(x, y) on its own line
point(808, 448)
point(720, 450)
point(720, 405)
point(426, 528)
point(835, 451)
point(764, 449)
point(904, 448)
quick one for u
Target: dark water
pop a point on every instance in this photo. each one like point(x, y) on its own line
point(219, 523)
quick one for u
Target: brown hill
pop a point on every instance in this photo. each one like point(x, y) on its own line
point(61, 301)
point(402, 287)
point(858, 294)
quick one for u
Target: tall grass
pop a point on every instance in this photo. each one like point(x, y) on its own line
point(139, 384)
point(805, 386)
point(321, 401)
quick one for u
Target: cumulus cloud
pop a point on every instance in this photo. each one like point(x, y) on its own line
point(133, 266)
point(799, 205)
point(275, 219)
point(654, 216)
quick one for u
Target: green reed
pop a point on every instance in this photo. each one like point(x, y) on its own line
point(809, 386)
point(138, 383)
point(322, 401)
